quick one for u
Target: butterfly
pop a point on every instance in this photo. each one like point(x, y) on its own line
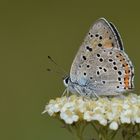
point(101, 67)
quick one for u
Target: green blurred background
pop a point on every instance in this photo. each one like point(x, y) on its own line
point(32, 30)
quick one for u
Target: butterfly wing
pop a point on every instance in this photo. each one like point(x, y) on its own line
point(101, 62)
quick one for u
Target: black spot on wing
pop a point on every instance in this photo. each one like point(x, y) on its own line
point(96, 35)
point(84, 57)
point(100, 37)
point(88, 48)
point(85, 73)
point(101, 60)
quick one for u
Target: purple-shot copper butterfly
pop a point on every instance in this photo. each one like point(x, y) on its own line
point(101, 67)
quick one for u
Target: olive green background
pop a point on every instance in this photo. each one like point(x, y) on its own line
point(32, 30)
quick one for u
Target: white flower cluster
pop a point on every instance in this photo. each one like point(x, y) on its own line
point(107, 111)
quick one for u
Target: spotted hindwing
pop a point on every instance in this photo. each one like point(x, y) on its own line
point(101, 63)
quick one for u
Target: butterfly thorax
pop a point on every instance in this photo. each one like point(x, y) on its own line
point(74, 87)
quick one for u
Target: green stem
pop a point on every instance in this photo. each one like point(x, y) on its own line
point(95, 128)
point(114, 134)
point(128, 131)
point(79, 132)
point(101, 131)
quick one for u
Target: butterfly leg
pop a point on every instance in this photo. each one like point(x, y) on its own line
point(78, 90)
point(65, 91)
point(95, 95)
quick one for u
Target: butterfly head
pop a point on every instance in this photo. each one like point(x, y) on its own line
point(66, 81)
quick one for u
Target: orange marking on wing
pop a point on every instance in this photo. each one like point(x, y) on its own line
point(126, 78)
point(108, 46)
point(121, 58)
point(127, 70)
point(107, 43)
point(126, 81)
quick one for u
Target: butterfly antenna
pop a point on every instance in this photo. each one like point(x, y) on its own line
point(57, 72)
point(52, 60)
point(60, 68)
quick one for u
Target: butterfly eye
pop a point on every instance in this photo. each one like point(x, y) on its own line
point(66, 80)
